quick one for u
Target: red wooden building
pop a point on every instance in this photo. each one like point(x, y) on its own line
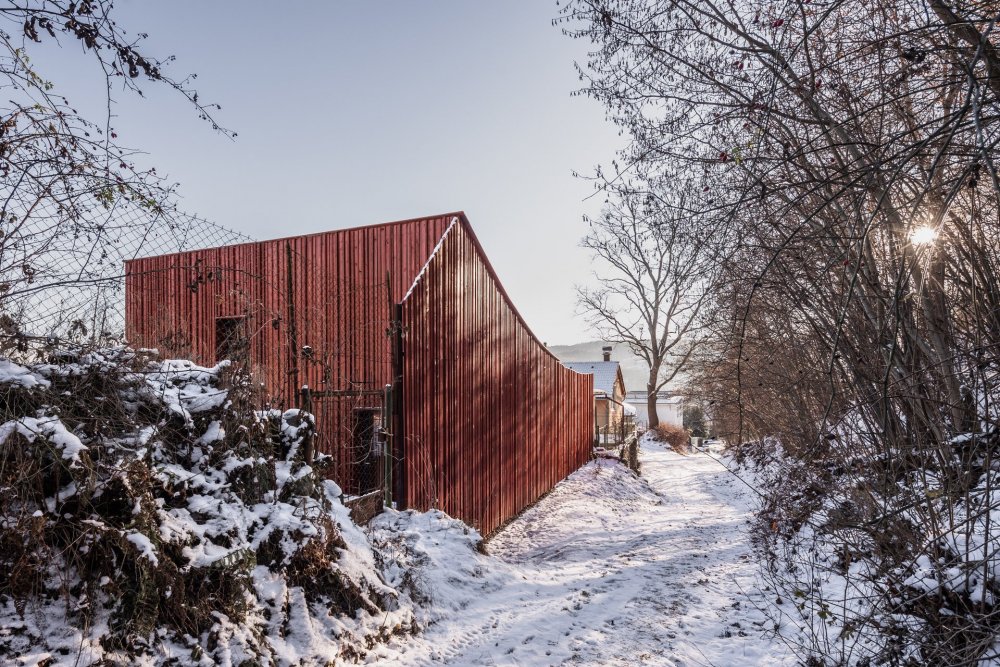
point(427, 385)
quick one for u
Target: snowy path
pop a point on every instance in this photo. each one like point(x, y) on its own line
point(606, 570)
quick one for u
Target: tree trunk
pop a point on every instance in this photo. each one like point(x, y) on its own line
point(654, 419)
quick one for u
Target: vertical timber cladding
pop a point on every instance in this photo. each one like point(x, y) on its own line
point(326, 292)
point(492, 419)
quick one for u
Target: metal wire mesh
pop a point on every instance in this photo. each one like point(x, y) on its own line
point(62, 269)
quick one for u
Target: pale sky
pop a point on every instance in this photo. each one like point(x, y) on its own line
point(352, 113)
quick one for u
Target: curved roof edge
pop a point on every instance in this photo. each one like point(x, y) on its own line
point(458, 218)
point(463, 220)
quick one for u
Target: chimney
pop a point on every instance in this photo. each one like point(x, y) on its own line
point(607, 352)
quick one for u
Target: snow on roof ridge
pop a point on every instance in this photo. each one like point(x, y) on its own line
point(423, 270)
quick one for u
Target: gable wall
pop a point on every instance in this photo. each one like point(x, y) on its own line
point(492, 419)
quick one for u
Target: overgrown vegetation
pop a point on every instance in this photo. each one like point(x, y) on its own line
point(149, 513)
point(843, 158)
point(675, 436)
point(76, 202)
point(873, 569)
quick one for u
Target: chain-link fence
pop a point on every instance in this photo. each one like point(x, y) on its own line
point(62, 268)
point(62, 280)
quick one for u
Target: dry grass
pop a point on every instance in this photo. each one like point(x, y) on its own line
point(675, 436)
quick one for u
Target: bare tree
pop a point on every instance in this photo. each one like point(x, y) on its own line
point(652, 284)
point(66, 185)
point(853, 148)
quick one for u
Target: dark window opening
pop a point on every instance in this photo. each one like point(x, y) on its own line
point(367, 450)
point(232, 339)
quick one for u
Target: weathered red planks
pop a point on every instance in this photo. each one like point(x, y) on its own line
point(337, 304)
point(492, 420)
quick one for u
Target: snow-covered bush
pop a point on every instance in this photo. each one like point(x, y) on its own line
point(889, 560)
point(148, 513)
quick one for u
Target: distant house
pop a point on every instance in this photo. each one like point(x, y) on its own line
point(669, 408)
point(609, 391)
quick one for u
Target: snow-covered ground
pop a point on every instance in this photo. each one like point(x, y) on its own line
point(608, 569)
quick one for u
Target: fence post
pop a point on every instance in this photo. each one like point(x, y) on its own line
point(399, 421)
point(386, 439)
point(395, 450)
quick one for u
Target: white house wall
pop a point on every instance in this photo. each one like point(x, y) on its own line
point(668, 413)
